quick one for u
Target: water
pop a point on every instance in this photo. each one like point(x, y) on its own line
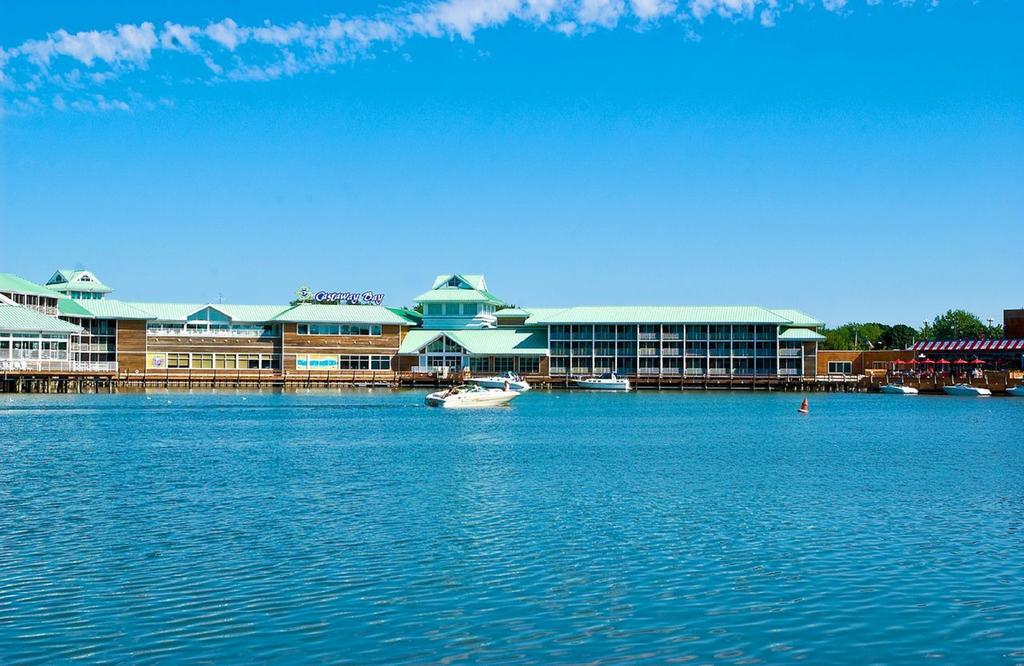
point(363, 527)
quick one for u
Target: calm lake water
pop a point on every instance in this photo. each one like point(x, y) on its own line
point(364, 527)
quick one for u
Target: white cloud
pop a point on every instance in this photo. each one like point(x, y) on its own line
point(227, 33)
point(229, 51)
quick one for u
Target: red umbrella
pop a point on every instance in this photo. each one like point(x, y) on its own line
point(960, 361)
point(942, 361)
point(977, 361)
point(898, 361)
point(928, 361)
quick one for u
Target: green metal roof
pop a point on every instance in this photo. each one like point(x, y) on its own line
point(658, 314)
point(27, 320)
point(801, 335)
point(12, 283)
point(67, 279)
point(340, 314)
point(483, 342)
point(69, 308)
point(512, 312)
point(475, 281)
point(798, 318)
point(411, 316)
point(248, 313)
point(160, 311)
point(108, 308)
point(458, 296)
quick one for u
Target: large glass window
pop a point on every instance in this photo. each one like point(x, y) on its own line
point(529, 364)
point(840, 368)
point(504, 363)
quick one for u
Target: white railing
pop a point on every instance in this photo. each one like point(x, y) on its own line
point(211, 333)
point(54, 365)
point(790, 353)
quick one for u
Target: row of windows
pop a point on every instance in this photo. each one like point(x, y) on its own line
point(458, 309)
point(525, 365)
point(342, 362)
point(663, 332)
point(211, 361)
point(338, 329)
point(668, 366)
point(840, 368)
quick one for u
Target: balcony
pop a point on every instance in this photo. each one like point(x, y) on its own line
point(212, 333)
point(55, 365)
point(790, 353)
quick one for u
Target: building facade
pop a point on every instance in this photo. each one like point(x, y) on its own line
point(459, 325)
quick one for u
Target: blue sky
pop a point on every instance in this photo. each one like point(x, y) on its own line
point(858, 160)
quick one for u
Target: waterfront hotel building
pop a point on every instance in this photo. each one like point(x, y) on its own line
point(72, 324)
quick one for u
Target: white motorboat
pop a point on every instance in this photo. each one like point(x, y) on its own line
point(470, 396)
point(509, 380)
point(967, 390)
point(609, 381)
point(1016, 390)
point(898, 389)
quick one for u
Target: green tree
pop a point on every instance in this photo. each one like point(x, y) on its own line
point(957, 324)
point(854, 336)
point(899, 336)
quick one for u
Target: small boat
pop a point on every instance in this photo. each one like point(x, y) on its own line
point(1017, 390)
point(968, 390)
point(898, 389)
point(609, 381)
point(470, 396)
point(509, 380)
point(805, 407)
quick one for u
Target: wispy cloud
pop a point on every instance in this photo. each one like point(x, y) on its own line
point(78, 71)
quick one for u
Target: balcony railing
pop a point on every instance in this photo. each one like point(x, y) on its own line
point(55, 365)
point(210, 333)
point(791, 353)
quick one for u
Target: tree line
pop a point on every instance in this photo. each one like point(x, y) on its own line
point(952, 325)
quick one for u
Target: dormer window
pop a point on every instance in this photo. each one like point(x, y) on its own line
point(454, 282)
point(85, 278)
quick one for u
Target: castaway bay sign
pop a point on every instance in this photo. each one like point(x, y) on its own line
point(307, 295)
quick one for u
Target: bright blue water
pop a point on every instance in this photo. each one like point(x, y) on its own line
point(364, 527)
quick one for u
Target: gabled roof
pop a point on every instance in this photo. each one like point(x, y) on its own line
point(340, 314)
point(798, 318)
point(77, 280)
point(245, 313)
point(801, 335)
point(458, 296)
point(474, 281)
point(511, 312)
point(27, 320)
point(70, 308)
point(161, 311)
point(109, 308)
point(12, 283)
point(483, 342)
point(660, 314)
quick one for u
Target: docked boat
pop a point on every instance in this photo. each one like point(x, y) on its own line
point(967, 390)
point(1016, 390)
point(508, 380)
point(470, 396)
point(609, 381)
point(898, 389)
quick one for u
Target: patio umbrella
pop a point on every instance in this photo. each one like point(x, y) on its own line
point(928, 361)
point(960, 361)
point(977, 361)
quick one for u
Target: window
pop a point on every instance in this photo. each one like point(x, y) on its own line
point(479, 364)
point(225, 362)
point(840, 367)
point(529, 364)
point(380, 362)
point(177, 360)
point(338, 329)
point(503, 363)
point(202, 361)
point(435, 309)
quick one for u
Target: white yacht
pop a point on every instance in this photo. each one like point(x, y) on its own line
point(609, 381)
point(898, 389)
point(509, 379)
point(470, 396)
point(1017, 390)
point(968, 390)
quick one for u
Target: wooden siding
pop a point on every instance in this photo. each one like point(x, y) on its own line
point(386, 343)
point(131, 345)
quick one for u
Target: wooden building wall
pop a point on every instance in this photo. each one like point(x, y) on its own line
point(131, 346)
point(385, 344)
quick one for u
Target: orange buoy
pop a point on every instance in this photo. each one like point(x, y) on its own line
point(804, 407)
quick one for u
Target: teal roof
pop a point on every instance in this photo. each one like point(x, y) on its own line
point(27, 320)
point(340, 314)
point(411, 316)
point(483, 342)
point(659, 314)
point(512, 312)
point(248, 313)
point(798, 318)
point(12, 283)
point(161, 311)
point(453, 295)
point(108, 308)
point(801, 335)
point(67, 279)
point(475, 281)
point(69, 308)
